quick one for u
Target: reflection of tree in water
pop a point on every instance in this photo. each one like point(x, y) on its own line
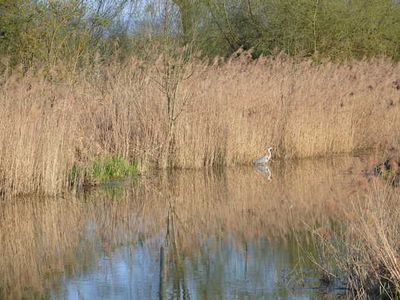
point(172, 262)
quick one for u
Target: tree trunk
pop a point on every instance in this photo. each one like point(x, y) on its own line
point(185, 10)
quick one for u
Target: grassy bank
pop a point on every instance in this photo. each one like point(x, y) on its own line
point(176, 113)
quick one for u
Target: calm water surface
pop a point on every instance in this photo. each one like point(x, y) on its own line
point(185, 235)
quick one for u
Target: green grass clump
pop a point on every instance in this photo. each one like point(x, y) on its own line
point(111, 167)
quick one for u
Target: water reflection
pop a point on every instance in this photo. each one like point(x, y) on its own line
point(183, 235)
point(220, 271)
point(265, 170)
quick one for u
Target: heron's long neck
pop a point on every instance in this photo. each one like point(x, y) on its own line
point(269, 153)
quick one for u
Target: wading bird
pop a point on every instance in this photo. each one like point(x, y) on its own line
point(264, 159)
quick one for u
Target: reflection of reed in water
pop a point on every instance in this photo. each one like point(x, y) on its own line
point(47, 236)
point(39, 238)
point(171, 262)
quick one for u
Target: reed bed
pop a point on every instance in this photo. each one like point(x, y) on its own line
point(190, 114)
point(369, 252)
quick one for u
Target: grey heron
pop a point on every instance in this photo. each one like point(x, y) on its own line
point(265, 158)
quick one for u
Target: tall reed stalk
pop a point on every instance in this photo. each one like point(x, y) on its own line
point(369, 256)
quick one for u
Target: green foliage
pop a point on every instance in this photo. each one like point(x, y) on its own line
point(80, 33)
point(42, 32)
point(103, 170)
point(337, 29)
point(111, 167)
point(73, 175)
point(52, 33)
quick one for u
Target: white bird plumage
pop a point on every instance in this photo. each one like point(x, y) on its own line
point(265, 158)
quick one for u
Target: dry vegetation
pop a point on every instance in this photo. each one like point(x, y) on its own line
point(191, 115)
point(194, 115)
point(370, 253)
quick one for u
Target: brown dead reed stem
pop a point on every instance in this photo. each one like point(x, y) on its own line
point(370, 255)
point(189, 114)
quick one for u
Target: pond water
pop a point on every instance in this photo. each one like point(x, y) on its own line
point(237, 234)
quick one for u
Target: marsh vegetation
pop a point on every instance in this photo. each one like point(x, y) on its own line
point(185, 94)
point(216, 115)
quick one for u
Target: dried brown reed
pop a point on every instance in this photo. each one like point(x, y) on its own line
point(370, 253)
point(191, 115)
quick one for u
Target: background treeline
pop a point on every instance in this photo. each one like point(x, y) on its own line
point(80, 32)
